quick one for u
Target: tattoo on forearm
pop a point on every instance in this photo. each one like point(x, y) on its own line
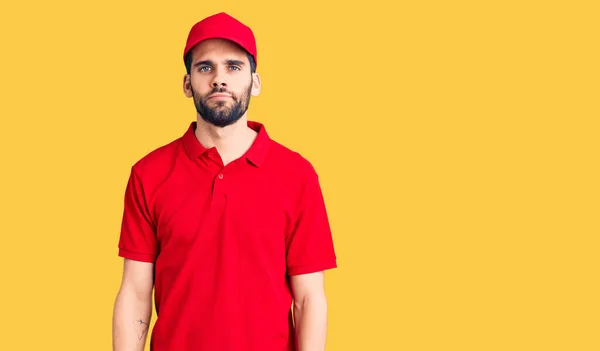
point(141, 328)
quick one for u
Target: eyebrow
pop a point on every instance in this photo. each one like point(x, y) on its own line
point(211, 63)
point(235, 62)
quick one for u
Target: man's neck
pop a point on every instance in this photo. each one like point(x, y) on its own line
point(231, 141)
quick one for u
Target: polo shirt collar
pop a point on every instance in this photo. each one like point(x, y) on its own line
point(256, 154)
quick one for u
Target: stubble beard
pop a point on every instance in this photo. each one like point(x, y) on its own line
point(219, 114)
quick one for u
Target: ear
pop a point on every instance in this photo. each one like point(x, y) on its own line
point(255, 84)
point(187, 85)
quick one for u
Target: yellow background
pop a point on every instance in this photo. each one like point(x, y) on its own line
point(457, 144)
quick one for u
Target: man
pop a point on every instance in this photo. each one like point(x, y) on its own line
point(227, 225)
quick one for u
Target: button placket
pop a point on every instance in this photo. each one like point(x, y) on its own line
point(218, 185)
point(219, 182)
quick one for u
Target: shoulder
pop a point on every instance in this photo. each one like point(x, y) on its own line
point(291, 161)
point(153, 167)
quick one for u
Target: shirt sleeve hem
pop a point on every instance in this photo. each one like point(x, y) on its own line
point(137, 256)
point(312, 268)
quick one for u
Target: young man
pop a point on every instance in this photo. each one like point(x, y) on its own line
point(227, 225)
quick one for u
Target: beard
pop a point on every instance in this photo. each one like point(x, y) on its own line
point(220, 114)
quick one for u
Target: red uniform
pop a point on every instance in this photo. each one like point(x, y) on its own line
point(225, 240)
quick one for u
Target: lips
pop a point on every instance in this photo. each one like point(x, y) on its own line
point(219, 95)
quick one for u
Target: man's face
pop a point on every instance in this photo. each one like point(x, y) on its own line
point(220, 81)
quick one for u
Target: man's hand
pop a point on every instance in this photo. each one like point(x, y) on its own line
point(133, 307)
point(310, 311)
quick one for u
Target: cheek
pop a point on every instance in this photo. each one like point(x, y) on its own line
point(199, 82)
point(199, 89)
point(241, 86)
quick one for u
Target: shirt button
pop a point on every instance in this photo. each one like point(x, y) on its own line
point(220, 176)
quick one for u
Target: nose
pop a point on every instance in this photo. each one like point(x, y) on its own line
point(219, 81)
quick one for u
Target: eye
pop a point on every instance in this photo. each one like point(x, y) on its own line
point(203, 69)
point(235, 68)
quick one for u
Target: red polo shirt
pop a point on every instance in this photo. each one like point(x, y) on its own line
point(224, 241)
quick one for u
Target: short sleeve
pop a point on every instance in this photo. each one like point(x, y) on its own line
point(138, 235)
point(310, 246)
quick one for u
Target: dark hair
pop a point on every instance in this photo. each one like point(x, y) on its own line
point(188, 62)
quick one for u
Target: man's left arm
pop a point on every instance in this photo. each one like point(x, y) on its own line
point(310, 252)
point(310, 311)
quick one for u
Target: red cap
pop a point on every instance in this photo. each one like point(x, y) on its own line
point(223, 26)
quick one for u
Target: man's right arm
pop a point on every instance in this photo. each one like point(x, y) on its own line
point(133, 306)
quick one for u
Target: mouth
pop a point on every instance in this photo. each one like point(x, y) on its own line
point(219, 96)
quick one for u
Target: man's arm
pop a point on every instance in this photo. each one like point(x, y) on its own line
point(133, 306)
point(310, 311)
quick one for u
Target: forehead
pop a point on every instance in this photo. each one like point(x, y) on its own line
point(217, 50)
